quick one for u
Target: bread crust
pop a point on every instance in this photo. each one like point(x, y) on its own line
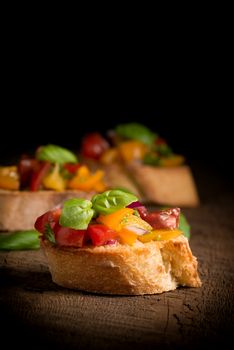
point(149, 268)
point(19, 209)
point(169, 186)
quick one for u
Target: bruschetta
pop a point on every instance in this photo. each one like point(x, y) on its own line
point(112, 244)
point(42, 181)
point(138, 159)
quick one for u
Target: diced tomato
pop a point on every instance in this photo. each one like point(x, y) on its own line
point(38, 176)
point(168, 218)
point(143, 211)
point(66, 236)
point(50, 217)
point(26, 168)
point(160, 141)
point(93, 145)
point(71, 168)
point(100, 234)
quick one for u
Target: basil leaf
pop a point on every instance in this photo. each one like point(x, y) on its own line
point(164, 150)
point(49, 233)
point(76, 213)
point(56, 154)
point(111, 201)
point(136, 131)
point(151, 159)
point(20, 240)
point(184, 226)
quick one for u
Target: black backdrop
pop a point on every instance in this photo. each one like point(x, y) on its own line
point(191, 129)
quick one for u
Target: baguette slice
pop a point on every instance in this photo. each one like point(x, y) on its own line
point(149, 268)
point(117, 176)
point(173, 186)
point(19, 209)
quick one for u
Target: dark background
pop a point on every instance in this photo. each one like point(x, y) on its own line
point(190, 128)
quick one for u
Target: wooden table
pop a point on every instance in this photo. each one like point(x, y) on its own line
point(35, 312)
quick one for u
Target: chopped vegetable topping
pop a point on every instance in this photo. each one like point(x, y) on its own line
point(76, 213)
point(110, 201)
point(54, 168)
point(9, 178)
point(136, 131)
point(56, 154)
point(81, 222)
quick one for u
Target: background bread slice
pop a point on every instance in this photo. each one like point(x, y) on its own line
point(116, 176)
point(19, 209)
point(173, 186)
point(149, 268)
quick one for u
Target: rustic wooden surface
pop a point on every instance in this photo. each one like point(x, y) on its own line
point(35, 312)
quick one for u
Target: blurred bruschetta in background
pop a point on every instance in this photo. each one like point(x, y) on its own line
point(137, 159)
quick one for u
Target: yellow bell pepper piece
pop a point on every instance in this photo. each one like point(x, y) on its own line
point(9, 178)
point(132, 150)
point(135, 221)
point(114, 220)
point(85, 181)
point(126, 236)
point(159, 235)
point(54, 180)
point(174, 160)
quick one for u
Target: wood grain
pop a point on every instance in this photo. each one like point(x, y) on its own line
point(35, 312)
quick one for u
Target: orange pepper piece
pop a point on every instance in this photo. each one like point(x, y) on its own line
point(109, 156)
point(174, 160)
point(99, 186)
point(84, 180)
point(132, 150)
point(114, 220)
point(127, 237)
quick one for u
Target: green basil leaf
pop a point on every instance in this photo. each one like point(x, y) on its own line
point(136, 131)
point(76, 213)
point(49, 233)
point(111, 201)
point(164, 150)
point(20, 240)
point(151, 159)
point(184, 226)
point(56, 154)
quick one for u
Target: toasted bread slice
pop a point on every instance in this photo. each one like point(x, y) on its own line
point(19, 209)
point(169, 186)
point(173, 186)
point(149, 268)
point(116, 176)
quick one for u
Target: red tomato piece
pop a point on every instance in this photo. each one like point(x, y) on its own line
point(38, 176)
point(100, 234)
point(66, 236)
point(160, 141)
point(26, 167)
point(168, 219)
point(50, 217)
point(143, 211)
point(71, 168)
point(93, 145)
